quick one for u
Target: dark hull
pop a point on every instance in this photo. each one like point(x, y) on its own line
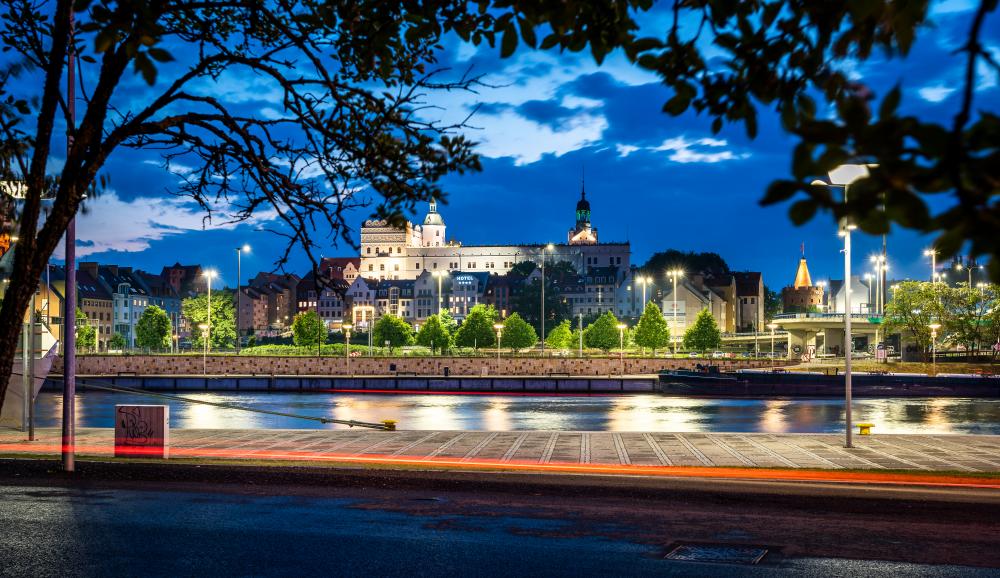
point(792, 384)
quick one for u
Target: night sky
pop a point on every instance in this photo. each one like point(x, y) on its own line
point(657, 181)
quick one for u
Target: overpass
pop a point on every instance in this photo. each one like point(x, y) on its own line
point(820, 333)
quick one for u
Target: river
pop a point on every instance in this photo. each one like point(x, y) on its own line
point(636, 412)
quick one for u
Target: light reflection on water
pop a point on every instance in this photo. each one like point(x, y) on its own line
point(640, 412)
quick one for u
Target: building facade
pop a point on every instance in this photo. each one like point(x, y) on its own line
point(390, 252)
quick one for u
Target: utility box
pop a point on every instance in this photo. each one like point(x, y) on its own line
point(142, 431)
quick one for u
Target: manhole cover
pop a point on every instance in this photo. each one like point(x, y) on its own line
point(718, 553)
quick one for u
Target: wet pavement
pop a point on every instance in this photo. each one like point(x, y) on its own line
point(814, 451)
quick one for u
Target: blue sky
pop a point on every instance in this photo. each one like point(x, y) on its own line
point(657, 181)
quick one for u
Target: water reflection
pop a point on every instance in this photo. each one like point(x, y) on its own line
point(645, 412)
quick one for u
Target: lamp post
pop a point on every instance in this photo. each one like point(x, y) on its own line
point(499, 328)
point(545, 249)
point(932, 253)
point(440, 276)
point(645, 281)
point(772, 326)
point(843, 176)
point(674, 274)
point(581, 333)
point(347, 341)
point(204, 348)
point(934, 327)
point(621, 346)
point(868, 278)
point(209, 275)
point(239, 275)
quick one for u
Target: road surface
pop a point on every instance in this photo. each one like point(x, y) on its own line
point(382, 524)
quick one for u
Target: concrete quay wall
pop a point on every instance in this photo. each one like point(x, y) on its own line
point(375, 366)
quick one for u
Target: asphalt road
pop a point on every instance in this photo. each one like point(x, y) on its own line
point(127, 527)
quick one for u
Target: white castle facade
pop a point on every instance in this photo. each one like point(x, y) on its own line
point(389, 252)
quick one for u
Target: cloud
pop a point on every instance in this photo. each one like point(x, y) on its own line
point(935, 93)
point(111, 223)
point(686, 151)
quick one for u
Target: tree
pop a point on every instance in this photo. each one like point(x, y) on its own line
point(526, 301)
point(434, 334)
point(913, 307)
point(652, 330)
point(351, 122)
point(772, 304)
point(117, 341)
point(392, 330)
point(966, 315)
point(517, 333)
point(152, 331)
point(704, 334)
point(355, 113)
point(560, 336)
point(448, 322)
point(223, 326)
point(710, 264)
point(603, 333)
point(86, 336)
point(308, 329)
point(477, 329)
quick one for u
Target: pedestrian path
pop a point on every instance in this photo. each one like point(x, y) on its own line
point(968, 453)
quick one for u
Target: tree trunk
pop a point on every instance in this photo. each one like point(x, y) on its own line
point(16, 301)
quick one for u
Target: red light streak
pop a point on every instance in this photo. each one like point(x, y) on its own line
point(763, 474)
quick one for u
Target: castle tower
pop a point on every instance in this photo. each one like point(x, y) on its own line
point(802, 296)
point(583, 233)
point(434, 228)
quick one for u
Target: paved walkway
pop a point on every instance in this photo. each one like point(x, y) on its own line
point(969, 453)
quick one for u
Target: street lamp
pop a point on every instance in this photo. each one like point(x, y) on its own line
point(209, 274)
point(621, 346)
point(674, 274)
point(934, 327)
point(581, 333)
point(347, 341)
point(932, 253)
point(239, 275)
point(645, 281)
point(843, 176)
point(440, 275)
point(772, 326)
point(969, 269)
point(868, 278)
point(499, 328)
point(547, 248)
point(204, 349)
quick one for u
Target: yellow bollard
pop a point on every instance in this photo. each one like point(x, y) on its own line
point(390, 424)
point(865, 429)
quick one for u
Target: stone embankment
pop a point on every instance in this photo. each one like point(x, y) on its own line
point(374, 366)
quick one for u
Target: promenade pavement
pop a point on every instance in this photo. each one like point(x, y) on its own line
point(962, 453)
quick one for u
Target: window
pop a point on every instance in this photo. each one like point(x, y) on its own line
point(381, 267)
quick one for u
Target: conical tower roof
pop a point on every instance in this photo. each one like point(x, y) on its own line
point(802, 278)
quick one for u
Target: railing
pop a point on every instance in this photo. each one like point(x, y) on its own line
point(827, 316)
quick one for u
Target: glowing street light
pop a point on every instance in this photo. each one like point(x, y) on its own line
point(347, 342)
point(934, 327)
point(209, 274)
point(499, 328)
point(546, 249)
point(439, 275)
point(239, 276)
point(844, 176)
point(674, 274)
point(772, 326)
point(932, 253)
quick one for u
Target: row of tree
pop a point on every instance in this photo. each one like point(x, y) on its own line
point(964, 316)
point(480, 330)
